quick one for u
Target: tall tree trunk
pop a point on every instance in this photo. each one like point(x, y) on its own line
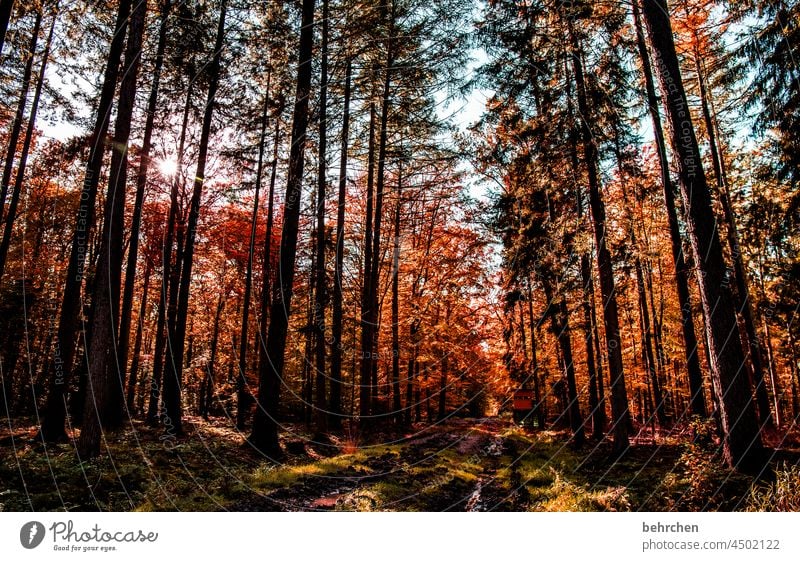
point(105, 410)
point(173, 378)
point(337, 320)
point(243, 398)
point(11, 215)
point(320, 294)
point(619, 396)
point(742, 447)
point(266, 271)
point(601, 386)
point(773, 375)
point(209, 380)
point(265, 428)
point(380, 182)
point(167, 276)
point(597, 409)
point(741, 292)
point(55, 410)
point(5, 16)
point(537, 389)
point(396, 401)
point(366, 313)
point(141, 186)
point(559, 321)
point(445, 366)
point(19, 116)
point(309, 378)
point(647, 337)
point(137, 340)
point(698, 402)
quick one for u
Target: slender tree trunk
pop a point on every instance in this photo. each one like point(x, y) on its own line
point(265, 428)
point(366, 302)
point(173, 379)
point(266, 272)
point(597, 409)
point(243, 398)
point(396, 401)
point(209, 381)
point(445, 366)
point(16, 126)
point(380, 181)
point(320, 294)
point(773, 375)
point(742, 447)
point(336, 327)
point(698, 403)
point(647, 339)
point(55, 410)
point(619, 396)
point(141, 186)
point(104, 411)
point(167, 276)
point(309, 378)
point(741, 292)
point(601, 386)
point(5, 16)
point(559, 321)
point(11, 215)
point(537, 390)
point(137, 341)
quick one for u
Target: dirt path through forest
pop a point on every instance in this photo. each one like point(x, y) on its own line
point(420, 464)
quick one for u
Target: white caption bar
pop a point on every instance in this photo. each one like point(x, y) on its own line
point(398, 536)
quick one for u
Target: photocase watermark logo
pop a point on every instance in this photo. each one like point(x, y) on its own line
point(31, 534)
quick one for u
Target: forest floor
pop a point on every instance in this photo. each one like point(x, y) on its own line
point(458, 465)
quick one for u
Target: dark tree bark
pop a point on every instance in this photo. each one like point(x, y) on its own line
point(396, 401)
point(207, 387)
point(619, 396)
point(8, 220)
point(445, 367)
point(265, 428)
point(742, 447)
point(559, 322)
point(133, 379)
point(175, 355)
point(373, 275)
point(773, 374)
point(266, 272)
point(104, 411)
point(365, 392)
point(55, 411)
point(698, 402)
point(320, 293)
point(243, 397)
point(597, 409)
point(647, 339)
point(141, 185)
point(5, 16)
point(537, 389)
point(16, 125)
point(167, 276)
point(337, 320)
point(741, 291)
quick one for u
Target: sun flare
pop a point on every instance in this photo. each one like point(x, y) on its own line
point(168, 166)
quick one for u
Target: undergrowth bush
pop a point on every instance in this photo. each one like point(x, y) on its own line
point(781, 495)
